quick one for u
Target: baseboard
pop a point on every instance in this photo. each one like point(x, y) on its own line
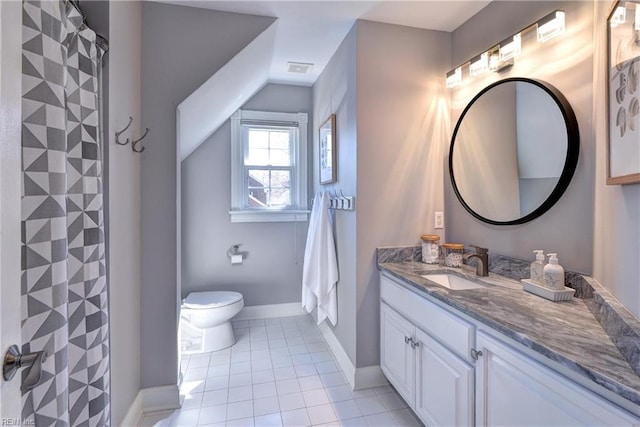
point(152, 399)
point(270, 310)
point(341, 356)
point(359, 378)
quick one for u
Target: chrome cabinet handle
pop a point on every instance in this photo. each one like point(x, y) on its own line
point(407, 340)
point(476, 354)
point(14, 360)
point(414, 344)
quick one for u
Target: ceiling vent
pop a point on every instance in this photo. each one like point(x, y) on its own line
point(299, 67)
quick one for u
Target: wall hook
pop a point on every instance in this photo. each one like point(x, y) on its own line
point(135, 142)
point(122, 131)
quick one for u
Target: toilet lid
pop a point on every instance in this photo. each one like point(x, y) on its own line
point(211, 299)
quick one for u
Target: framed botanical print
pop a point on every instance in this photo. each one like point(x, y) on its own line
point(328, 148)
point(623, 93)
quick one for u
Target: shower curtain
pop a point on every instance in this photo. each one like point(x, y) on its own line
point(64, 287)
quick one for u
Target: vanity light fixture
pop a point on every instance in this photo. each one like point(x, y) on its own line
point(510, 47)
point(501, 56)
point(479, 64)
point(550, 26)
point(619, 16)
point(454, 77)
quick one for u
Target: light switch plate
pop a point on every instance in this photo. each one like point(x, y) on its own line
point(439, 220)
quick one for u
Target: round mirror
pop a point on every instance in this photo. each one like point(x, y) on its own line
point(514, 151)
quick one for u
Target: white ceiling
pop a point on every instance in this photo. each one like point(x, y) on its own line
point(311, 31)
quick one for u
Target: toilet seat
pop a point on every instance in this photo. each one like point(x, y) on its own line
point(211, 299)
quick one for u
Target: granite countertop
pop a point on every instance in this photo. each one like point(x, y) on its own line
point(566, 332)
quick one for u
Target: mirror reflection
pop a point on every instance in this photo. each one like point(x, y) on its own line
point(509, 151)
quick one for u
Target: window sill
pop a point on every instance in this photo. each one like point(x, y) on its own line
point(269, 216)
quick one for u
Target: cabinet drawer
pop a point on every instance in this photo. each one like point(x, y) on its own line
point(452, 331)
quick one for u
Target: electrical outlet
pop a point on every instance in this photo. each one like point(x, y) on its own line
point(439, 220)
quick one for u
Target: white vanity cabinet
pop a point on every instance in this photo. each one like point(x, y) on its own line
point(434, 380)
point(425, 353)
point(513, 389)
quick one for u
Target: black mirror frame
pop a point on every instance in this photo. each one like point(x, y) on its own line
point(571, 161)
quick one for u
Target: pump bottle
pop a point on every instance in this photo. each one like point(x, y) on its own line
point(554, 274)
point(537, 268)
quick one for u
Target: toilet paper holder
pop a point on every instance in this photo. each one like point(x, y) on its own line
point(235, 255)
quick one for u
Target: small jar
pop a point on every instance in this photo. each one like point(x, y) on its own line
point(430, 248)
point(453, 254)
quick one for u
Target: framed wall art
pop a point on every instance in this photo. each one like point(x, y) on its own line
point(328, 151)
point(623, 93)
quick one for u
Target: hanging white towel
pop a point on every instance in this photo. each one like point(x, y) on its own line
point(320, 270)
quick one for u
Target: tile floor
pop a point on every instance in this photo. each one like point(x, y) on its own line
point(279, 373)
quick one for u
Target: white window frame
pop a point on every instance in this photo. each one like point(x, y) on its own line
point(298, 211)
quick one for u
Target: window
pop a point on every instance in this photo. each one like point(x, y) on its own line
point(268, 166)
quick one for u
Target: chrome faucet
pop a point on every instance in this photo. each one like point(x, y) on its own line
point(482, 260)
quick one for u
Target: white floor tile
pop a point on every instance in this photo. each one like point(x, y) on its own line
point(238, 410)
point(216, 383)
point(237, 380)
point(327, 367)
point(289, 402)
point(186, 418)
point(212, 415)
point(238, 394)
point(264, 390)
point(392, 401)
point(264, 376)
point(279, 372)
point(315, 397)
point(333, 379)
point(264, 406)
point(381, 420)
point(271, 420)
point(321, 414)
point(214, 397)
point(295, 418)
point(242, 422)
point(339, 393)
point(287, 386)
point(406, 418)
point(240, 368)
point(305, 370)
point(370, 405)
point(311, 382)
point(286, 373)
point(346, 409)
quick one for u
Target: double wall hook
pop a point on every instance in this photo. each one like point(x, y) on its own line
point(134, 143)
point(123, 131)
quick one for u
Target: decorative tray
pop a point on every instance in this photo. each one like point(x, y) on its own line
point(550, 294)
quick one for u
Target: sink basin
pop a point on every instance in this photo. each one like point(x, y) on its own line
point(452, 281)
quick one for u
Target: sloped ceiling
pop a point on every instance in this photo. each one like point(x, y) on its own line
point(305, 31)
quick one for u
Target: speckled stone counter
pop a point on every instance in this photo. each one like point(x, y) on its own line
point(568, 332)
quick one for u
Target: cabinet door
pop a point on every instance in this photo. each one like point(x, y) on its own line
point(445, 388)
point(513, 389)
point(397, 358)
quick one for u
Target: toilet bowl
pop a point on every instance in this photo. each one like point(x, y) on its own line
point(211, 313)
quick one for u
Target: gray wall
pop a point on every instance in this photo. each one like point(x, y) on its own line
point(401, 136)
point(385, 85)
point(566, 62)
point(272, 271)
point(617, 207)
point(124, 181)
point(335, 92)
point(181, 48)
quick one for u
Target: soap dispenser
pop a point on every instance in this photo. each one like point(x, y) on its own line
point(554, 274)
point(537, 268)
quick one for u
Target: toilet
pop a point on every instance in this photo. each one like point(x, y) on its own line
point(211, 313)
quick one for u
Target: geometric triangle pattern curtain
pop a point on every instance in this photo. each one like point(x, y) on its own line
point(64, 287)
